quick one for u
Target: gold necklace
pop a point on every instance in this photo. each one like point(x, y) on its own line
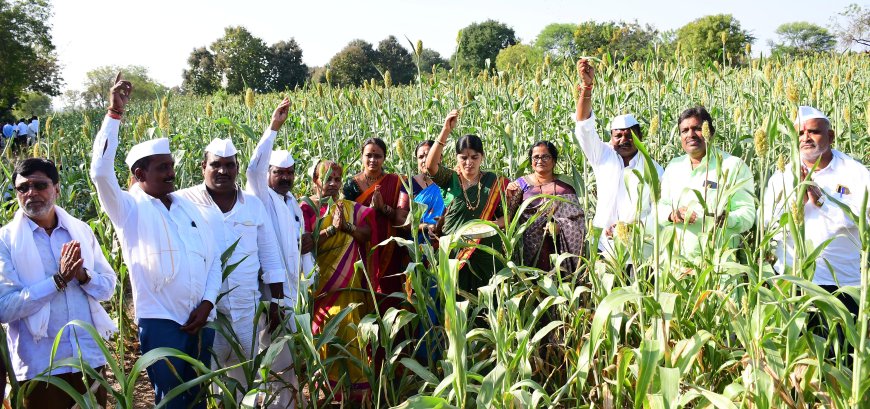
point(465, 194)
point(371, 181)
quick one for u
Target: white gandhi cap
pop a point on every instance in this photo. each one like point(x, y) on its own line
point(805, 113)
point(281, 159)
point(158, 146)
point(623, 122)
point(222, 147)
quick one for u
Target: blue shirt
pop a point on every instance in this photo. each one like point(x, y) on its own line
point(30, 358)
point(8, 130)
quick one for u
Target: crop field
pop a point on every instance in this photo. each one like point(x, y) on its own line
point(725, 332)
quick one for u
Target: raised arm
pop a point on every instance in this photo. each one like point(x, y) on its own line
point(595, 150)
point(256, 175)
point(435, 152)
point(114, 201)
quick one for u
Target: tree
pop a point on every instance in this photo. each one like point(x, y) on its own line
point(100, 80)
point(622, 40)
point(430, 58)
point(354, 64)
point(33, 103)
point(27, 52)
point(395, 58)
point(802, 38)
point(285, 67)
point(558, 40)
point(518, 54)
point(241, 58)
point(856, 28)
point(703, 38)
point(202, 76)
point(481, 41)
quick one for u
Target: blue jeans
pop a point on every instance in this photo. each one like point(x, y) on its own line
point(160, 333)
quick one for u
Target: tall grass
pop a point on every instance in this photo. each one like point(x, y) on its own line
point(723, 331)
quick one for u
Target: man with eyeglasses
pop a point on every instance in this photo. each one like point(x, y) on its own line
point(622, 195)
point(270, 176)
point(52, 271)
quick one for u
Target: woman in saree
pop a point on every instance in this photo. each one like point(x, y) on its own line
point(343, 231)
point(560, 225)
point(385, 194)
point(476, 195)
point(428, 193)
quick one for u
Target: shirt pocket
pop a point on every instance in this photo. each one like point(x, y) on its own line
point(246, 233)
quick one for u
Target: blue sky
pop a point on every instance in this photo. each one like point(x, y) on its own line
point(160, 34)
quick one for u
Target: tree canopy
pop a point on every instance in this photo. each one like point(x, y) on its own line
point(392, 57)
point(518, 54)
point(479, 42)
point(802, 38)
point(100, 80)
point(285, 67)
point(241, 58)
point(624, 41)
point(708, 37)
point(27, 52)
point(354, 64)
point(557, 39)
point(202, 76)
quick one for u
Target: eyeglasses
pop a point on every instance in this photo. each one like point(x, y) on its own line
point(25, 187)
point(542, 158)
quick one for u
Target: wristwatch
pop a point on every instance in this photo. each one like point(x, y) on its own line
point(820, 201)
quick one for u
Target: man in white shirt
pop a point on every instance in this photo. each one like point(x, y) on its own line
point(168, 244)
point(52, 271)
point(708, 196)
point(622, 195)
point(270, 176)
point(244, 220)
point(834, 176)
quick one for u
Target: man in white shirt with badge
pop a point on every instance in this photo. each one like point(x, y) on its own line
point(244, 220)
point(52, 271)
point(270, 176)
point(834, 176)
point(169, 247)
point(622, 195)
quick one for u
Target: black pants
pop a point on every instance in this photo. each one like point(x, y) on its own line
point(816, 325)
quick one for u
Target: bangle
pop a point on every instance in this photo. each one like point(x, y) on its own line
point(59, 283)
point(349, 227)
point(582, 87)
point(113, 115)
point(330, 231)
point(441, 143)
point(117, 113)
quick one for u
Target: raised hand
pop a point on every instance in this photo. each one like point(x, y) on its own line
point(451, 121)
point(279, 116)
point(586, 72)
point(119, 95)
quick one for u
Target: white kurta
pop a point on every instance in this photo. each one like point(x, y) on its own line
point(845, 180)
point(622, 196)
point(174, 266)
point(285, 214)
point(248, 223)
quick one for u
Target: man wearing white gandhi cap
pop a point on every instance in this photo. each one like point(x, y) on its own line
point(270, 176)
point(620, 192)
point(168, 246)
point(833, 175)
point(246, 224)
